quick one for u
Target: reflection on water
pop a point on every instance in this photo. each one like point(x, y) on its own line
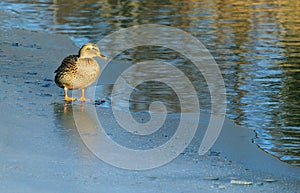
point(256, 44)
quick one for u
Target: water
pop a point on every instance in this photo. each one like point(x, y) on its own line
point(255, 43)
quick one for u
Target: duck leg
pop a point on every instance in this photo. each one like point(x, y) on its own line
point(67, 98)
point(82, 98)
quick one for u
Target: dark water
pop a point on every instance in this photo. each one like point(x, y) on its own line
point(255, 43)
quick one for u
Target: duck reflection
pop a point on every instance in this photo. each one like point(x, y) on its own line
point(64, 115)
point(72, 119)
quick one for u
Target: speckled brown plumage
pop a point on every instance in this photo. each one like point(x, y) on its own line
point(65, 73)
point(79, 71)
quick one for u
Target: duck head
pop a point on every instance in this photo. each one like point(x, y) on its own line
point(90, 50)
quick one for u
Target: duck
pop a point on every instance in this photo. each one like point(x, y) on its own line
point(77, 72)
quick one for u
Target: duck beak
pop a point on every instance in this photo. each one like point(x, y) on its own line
point(102, 56)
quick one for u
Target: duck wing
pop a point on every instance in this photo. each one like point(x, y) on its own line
point(69, 62)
